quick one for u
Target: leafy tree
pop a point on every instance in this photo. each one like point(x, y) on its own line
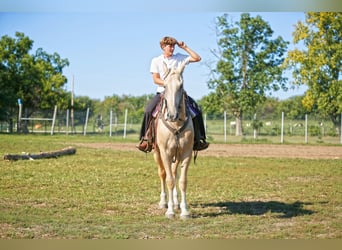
point(292, 108)
point(319, 65)
point(136, 106)
point(109, 103)
point(84, 102)
point(118, 104)
point(249, 64)
point(36, 79)
point(211, 105)
point(268, 109)
point(12, 52)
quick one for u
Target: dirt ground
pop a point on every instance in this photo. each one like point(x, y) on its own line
point(246, 150)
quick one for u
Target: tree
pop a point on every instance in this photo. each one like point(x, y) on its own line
point(249, 64)
point(268, 109)
point(211, 105)
point(36, 79)
point(292, 107)
point(12, 51)
point(319, 65)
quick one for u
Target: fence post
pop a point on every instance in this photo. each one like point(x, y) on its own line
point(282, 128)
point(225, 125)
point(110, 122)
point(53, 119)
point(86, 122)
point(306, 128)
point(254, 128)
point(67, 122)
point(125, 125)
point(205, 122)
point(341, 130)
point(20, 114)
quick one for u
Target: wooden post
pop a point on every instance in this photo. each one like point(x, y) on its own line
point(254, 128)
point(54, 119)
point(110, 122)
point(125, 125)
point(86, 122)
point(72, 106)
point(282, 128)
point(67, 122)
point(306, 128)
point(225, 125)
point(20, 114)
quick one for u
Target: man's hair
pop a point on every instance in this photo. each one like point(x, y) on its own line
point(167, 40)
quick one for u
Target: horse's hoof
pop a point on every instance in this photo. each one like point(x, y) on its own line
point(185, 216)
point(170, 216)
point(162, 206)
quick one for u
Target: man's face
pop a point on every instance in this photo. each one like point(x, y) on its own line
point(168, 49)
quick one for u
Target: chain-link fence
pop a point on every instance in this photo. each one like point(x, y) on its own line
point(310, 129)
point(220, 129)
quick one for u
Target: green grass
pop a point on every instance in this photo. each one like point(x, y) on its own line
point(101, 193)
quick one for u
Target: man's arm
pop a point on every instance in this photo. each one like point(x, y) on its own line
point(157, 80)
point(194, 57)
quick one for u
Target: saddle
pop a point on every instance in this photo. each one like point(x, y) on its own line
point(150, 135)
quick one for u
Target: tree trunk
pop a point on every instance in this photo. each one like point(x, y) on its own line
point(238, 128)
point(337, 121)
point(41, 155)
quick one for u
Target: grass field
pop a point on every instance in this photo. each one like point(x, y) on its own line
point(102, 193)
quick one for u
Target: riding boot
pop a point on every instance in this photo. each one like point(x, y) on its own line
point(199, 140)
point(145, 145)
point(146, 142)
point(147, 126)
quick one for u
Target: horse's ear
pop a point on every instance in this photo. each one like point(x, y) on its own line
point(181, 67)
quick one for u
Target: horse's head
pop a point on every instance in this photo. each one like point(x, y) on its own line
point(173, 91)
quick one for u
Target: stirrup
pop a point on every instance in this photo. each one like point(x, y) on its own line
point(145, 146)
point(200, 145)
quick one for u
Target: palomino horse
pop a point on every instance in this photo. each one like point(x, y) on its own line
point(174, 143)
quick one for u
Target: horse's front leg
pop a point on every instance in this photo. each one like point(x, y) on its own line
point(175, 193)
point(162, 177)
point(183, 181)
point(170, 182)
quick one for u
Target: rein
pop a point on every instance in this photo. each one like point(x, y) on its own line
point(175, 131)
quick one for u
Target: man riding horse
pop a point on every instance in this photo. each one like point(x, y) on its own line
point(172, 60)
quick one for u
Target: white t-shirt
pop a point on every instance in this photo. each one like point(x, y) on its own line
point(172, 62)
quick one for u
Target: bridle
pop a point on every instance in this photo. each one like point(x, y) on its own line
point(166, 119)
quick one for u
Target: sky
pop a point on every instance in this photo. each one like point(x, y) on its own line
point(110, 50)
